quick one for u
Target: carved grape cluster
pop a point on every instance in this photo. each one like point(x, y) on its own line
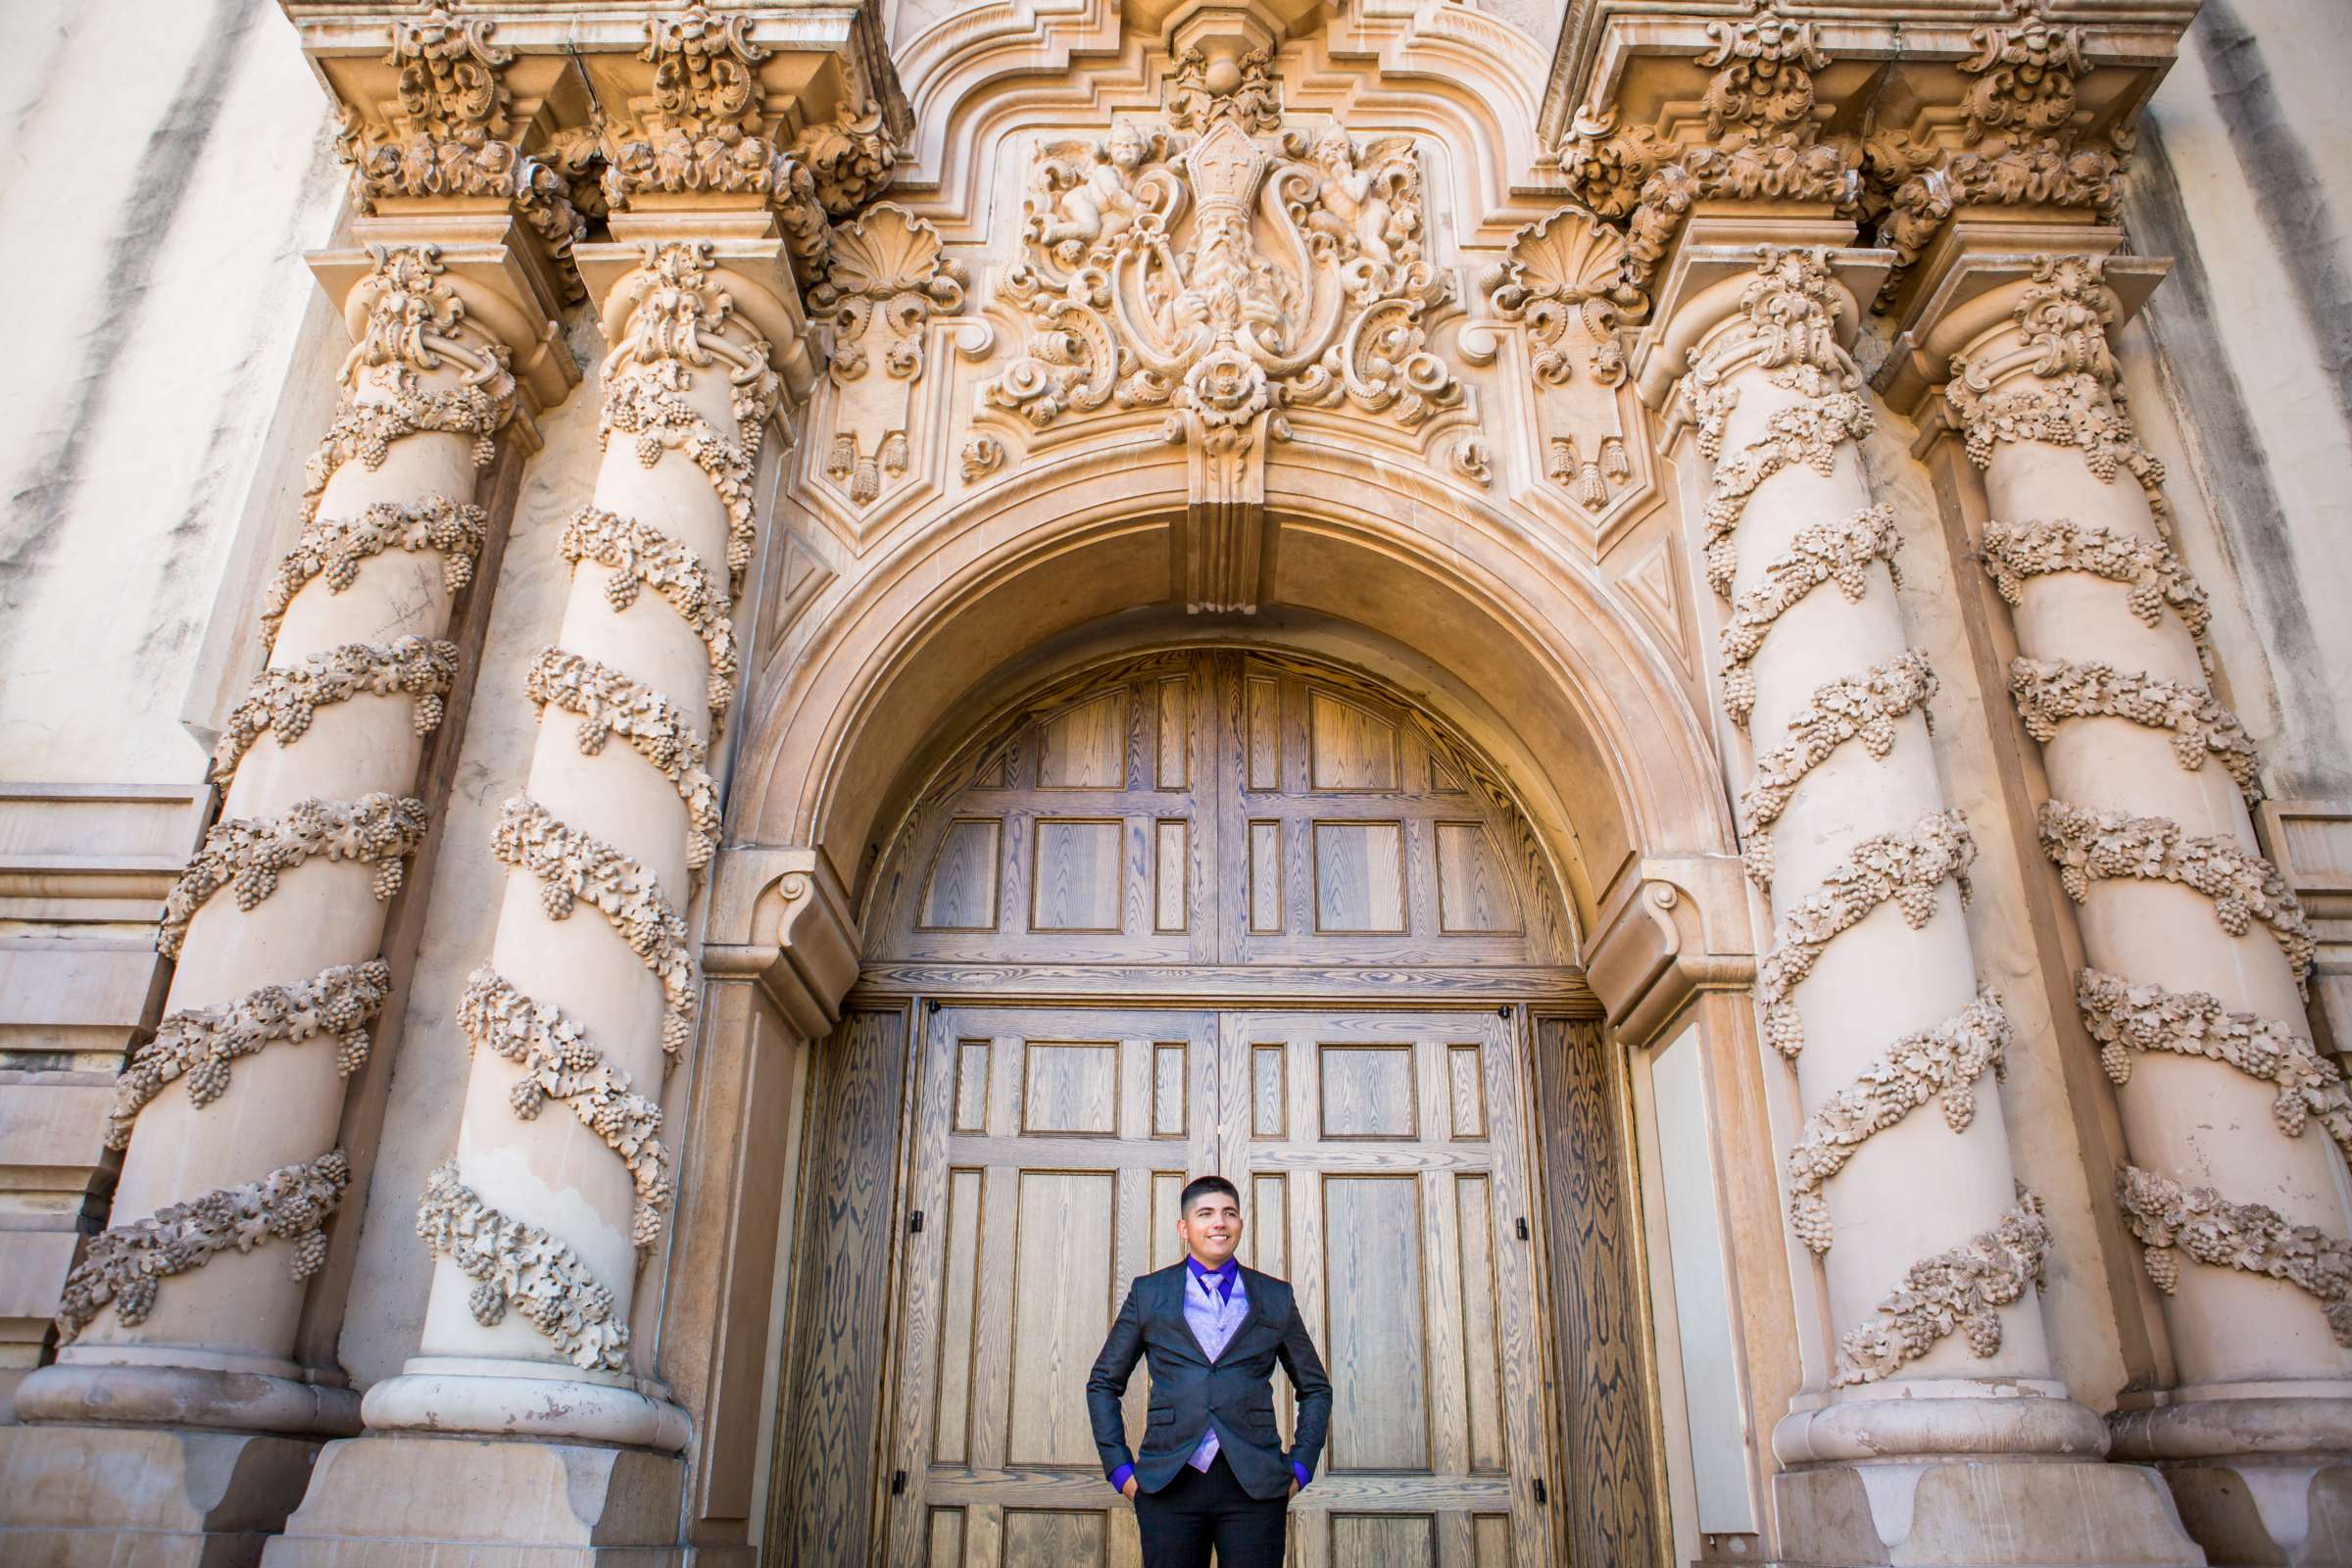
point(2252, 1238)
point(1805, 433)
point(607, 702)
point(1961, 1289)
point(640, 556)
point(1861, 706)
point(250, 854)
point(1820, 552)
point(518, 1265)
point(2048, 691)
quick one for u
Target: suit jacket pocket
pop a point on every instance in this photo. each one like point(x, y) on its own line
point(1160, 1418)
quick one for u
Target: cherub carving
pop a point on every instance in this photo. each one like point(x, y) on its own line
point(1366, 210)
point(1076, 207)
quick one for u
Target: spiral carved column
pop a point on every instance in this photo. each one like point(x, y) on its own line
point(560, 1181)
point(1900, 1177)
point(2235, 1126)
point(185, 1310)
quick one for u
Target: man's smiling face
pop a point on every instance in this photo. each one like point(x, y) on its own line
point(1211, 1228)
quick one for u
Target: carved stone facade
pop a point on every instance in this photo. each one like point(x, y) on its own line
point(1772, 562)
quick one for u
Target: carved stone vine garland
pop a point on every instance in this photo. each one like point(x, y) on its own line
point(199, 1042)
point(559, 1062)
point(283, 698)
point(2252, 1238)
point(1961, 1289)
point(333, 549)
point(1820, 552)
point(519, 1267)
point(1942, 1064)
point(2013, 552)
point(573, 867)
point(2088, 845)
point(2048, 690)
point(1906, 869)
point(608, 703)
point(1861, 706)
point(122, 1266)
point(641, 556)
point(251, 854)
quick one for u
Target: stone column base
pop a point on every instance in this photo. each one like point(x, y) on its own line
point(1981, 1513)
point(398, 1501)
point(2268, 1512)
point(104, 1497)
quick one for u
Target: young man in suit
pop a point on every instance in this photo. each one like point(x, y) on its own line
point(1213, 1473)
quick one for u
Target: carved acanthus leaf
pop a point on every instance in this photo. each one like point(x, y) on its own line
point(122, 1266)
point(199, 1042)
point(283, 698)
point(2013, 552)
point(1864, 706)
point(1942, 1064)
point(379, 829)
point(2252, 1238)
point(608, 703)
point(1905, 868)
point(2049, 690)
point(518, 1265)
point(333, 548)
point(559, 1062)
point(1201, 91)
point(640, 556)
point(2088, 845)
point(573, 867)
point(1819, 553)
point(1764, 141)
point(1961, 1289)
point(2124, 1016)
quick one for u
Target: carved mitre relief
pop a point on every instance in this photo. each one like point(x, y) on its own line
point(1564, 284)
point(1229, 279)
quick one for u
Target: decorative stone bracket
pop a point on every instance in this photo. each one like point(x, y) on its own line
point(1679, 927)
point(780, 917)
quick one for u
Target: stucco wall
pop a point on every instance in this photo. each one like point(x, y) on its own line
point(167, 167)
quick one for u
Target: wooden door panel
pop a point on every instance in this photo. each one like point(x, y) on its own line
point(1387, 1147)
point(1380, 1159)
point(1051, 1145)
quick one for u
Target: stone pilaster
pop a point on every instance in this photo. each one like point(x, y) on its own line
point(2195, 953)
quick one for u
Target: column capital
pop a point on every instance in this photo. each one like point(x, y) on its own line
point(1986, 275)
point(1901, 113)
point(1801, 296)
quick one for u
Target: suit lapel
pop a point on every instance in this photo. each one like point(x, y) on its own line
point(1173, 1303)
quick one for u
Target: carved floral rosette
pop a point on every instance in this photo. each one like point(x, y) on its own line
point(518, 1266)
point(559, 1062)
point(283, 698)
point(1862, 706)
point(1963, 1289)
point(2123, 1018)
point(1227, 281)
point(572, 868)
point(333, 549)
point(200, 1043)
point(1942, 1064)
point(122, 1266)
point(251, 853)
point(2170, 1219)
point(2088, 845)
point(1906, 869)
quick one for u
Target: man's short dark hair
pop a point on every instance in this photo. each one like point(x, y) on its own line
point(1200, 1187)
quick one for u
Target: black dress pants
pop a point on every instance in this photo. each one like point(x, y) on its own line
point(1201, 1509)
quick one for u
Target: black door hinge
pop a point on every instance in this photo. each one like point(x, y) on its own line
point(1542, 1496)
point(898, 1483)
point(1502, 1013)
point(914, 1222)
point(1522, 1227)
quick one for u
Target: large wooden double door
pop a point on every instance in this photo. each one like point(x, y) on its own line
point(1383, 1165)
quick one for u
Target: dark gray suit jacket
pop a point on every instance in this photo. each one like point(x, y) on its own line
point(1191, 1394)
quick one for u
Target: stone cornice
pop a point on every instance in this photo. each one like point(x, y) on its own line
point(1897, 113)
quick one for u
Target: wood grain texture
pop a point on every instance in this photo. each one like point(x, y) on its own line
point(960, 891)
point(1605, 1416)
point(828, 1425)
